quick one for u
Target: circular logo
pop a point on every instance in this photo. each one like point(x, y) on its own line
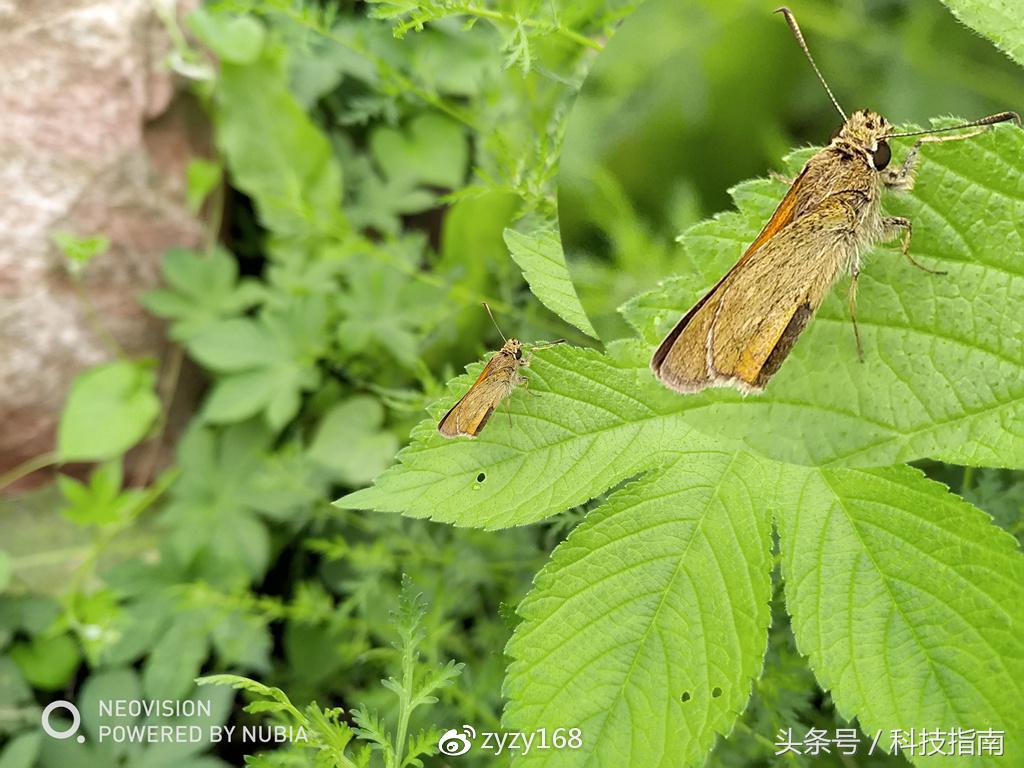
point(453, 742)
point(76, 720)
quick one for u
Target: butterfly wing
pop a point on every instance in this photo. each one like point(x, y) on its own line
point(470, 415)
point(741, 331)
point(783, 215)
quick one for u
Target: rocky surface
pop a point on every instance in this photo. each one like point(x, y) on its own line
point(95, 135)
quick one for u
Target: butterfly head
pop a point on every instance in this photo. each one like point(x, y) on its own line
point(513, 347)
point(865, 132)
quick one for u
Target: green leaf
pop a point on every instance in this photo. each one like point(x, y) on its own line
point(203, 288)
point(213, 508)
point(432, 151)
point(98, 616)
point(998, 20)
point(101, 501)
point(648, 625)
point(473, 249)
point(243, 641)
point(278, 699)
point(21, 751)
point(48, 662)
point(943, 375)
point(595, 421)
point(271, 361)
point(275, 153)
point(79, 250)
point(907, 600)
point(331, 731)
point(236, 39)
point(119, 683)
point(239, 397)
point(351, 443)
point(539, 255)
point(233, 345)
point(243, 684)
point(1001, 494)
point(13, 687)
point(370, 727)
point(423, 744)
point(384, 310)
point(109, 409)
point(176, 658)
point(201, 178)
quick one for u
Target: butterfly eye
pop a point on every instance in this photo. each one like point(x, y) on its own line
point(881, 156)
point(836, 132)
point(519, 354)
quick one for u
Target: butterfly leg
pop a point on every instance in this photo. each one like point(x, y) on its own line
point(776, 176)
point(525, 382)
point(851, 302)
point(901, 179)
point(893, 223)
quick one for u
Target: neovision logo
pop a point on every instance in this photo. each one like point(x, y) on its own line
point(76, 720)
point(158, 721)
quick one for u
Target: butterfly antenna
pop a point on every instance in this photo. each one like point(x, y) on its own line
point(1000, 117)
point(546, 344)
point(791, 20)
point(494, 321)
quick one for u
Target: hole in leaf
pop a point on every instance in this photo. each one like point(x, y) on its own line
point(716, 692)
point(481, 477)
point(685, 697)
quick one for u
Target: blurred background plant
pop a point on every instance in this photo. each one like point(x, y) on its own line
point(370, 158)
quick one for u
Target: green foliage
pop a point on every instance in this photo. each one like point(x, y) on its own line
point(201, 178)
point(203, 288)
point(123, 683)
point(596, 420)
point(886, 571)
point(101, 501)
point(519, 34)
point(109, 409)
point(79, 251)
point(275, 153)
point(236, 39)
point(324, 730)
point(622, 635)
point(47, 661)
point(995, 20)
point(539, 255)
point(266, 363)
point(415, 687)
point(430, 152)
point(21, 752)
point(351, 443)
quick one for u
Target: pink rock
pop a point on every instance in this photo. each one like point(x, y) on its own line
point(95, 136)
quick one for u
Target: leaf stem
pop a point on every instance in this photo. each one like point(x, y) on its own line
point(405, 708)
point(93, 321)
point(760, 738)
point(493, 15)
point(965, 483)
point(42, 461)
